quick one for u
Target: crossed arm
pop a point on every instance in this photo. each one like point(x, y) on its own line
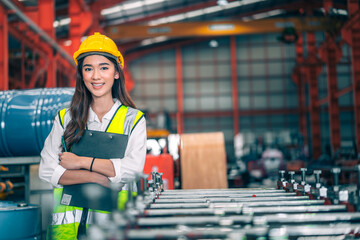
point(77, 170)
point(73, 169)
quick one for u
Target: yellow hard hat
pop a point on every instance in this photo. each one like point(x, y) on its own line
point(101, 44)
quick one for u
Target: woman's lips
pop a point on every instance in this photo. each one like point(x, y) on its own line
point(97, 85)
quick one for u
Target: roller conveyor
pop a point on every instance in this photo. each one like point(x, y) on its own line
point(240, 214)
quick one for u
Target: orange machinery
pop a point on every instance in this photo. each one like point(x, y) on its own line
point(163, 163)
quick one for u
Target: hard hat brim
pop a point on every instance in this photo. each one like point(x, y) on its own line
point(105, 54)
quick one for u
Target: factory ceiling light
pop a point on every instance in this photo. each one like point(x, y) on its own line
point(196, 13)
point(128, 6)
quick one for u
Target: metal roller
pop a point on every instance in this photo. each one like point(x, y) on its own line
point(226, 209)
point(221, 191)
point(324, 218)
point(196, 220)
point(239, 200)
point(228, 195)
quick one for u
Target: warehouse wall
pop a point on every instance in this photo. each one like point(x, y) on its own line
point(267, 96)
point(264, 67)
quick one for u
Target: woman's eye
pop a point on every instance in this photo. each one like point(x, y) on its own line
point(87, 69)
point(104, 68)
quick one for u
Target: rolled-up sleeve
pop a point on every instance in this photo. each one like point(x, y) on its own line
point(49, 169)
point(135, 154)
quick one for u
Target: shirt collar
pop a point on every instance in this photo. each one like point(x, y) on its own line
point(108, 116)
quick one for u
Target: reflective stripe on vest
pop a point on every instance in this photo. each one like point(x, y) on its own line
point(123, 121)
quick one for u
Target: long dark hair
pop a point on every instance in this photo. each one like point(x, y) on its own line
point(81, 100)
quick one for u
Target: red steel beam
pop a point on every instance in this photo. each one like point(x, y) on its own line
point(22, 63)
point(351, 35)
point(260, 112)
point(330, 53)
point(4, 54)
point(312, 72)
point(81, 21)
point(344, 91)
point(180, 95)
point(46, 18)
point(234, 84)
point(297, 77)
point(338, 94)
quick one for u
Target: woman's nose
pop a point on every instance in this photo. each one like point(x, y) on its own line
point(96, 74)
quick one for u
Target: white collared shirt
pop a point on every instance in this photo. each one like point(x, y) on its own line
point(132, 163)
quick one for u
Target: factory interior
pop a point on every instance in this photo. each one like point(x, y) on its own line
point(252, 112)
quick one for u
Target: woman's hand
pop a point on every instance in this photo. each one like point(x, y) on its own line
point(101, 179)
point(70, 161)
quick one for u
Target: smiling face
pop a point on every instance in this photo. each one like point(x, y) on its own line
point(98, 75)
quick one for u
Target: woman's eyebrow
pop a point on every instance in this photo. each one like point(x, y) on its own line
point(89, 65)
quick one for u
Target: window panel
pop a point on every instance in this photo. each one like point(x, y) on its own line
point(258, 69)
point(190, 104)
point(223, 70)
point(259, 102)
point(190, 88)
point(243, 86)
point(170, 104)
point(206, 71)
point(244, 102)
point(225, 102)
point(259, 86)
point(274, 68)
point(207, 87)
point(207, 103)
point(189, 71)
point(224, 86)
point(276, 85)
point(243, 69)
point(274, 52)
point(277, 101)
point(257, 53)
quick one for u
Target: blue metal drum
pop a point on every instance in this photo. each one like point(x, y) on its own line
point(19, 222)
point(26, 118)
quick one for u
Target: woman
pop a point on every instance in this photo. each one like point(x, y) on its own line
point(100, 104)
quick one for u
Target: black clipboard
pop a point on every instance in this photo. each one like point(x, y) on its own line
point(92, 195)
point(101, 145)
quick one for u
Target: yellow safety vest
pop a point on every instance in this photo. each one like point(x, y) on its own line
point(66, 219)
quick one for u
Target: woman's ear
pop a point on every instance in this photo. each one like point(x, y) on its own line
point(117, 75)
